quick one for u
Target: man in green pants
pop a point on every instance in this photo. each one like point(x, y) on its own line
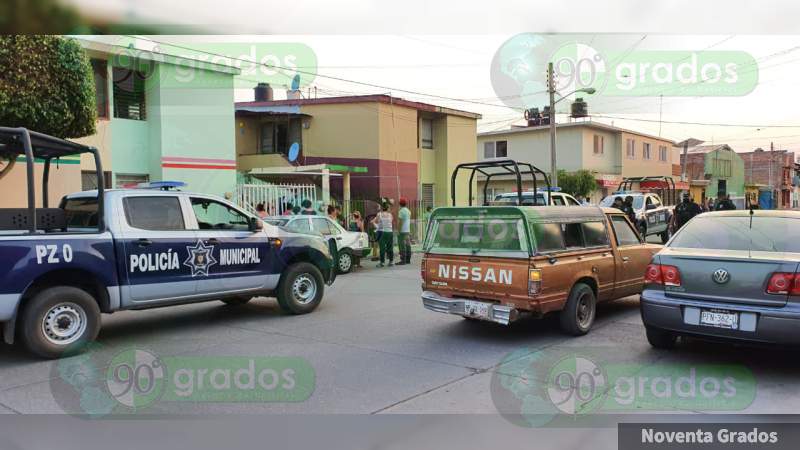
point(404, 236)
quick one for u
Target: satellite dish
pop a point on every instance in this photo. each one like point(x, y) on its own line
point(294, 152)
point(296, 82)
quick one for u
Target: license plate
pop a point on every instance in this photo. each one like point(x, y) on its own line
point(719, 319)
point(476, 309)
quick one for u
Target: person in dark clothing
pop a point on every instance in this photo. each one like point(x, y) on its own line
point(627, 208)
point(618, 203)
point(725, 203)
point(684, 212)
point(307, 208)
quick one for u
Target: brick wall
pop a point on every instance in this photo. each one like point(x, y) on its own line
point(757, 167)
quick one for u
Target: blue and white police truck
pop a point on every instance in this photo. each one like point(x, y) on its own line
point(108, 250)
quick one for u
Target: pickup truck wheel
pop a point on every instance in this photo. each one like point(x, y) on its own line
point(236, 301)
point(344, 263)
point(662, 339)
point(578, 314)
point(300, 289)
point(59, 320)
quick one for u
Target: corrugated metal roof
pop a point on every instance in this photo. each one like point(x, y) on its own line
point(708, 148)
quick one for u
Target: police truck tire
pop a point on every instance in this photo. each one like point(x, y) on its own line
point(300, 289)
point(236, 301)
point(59, 321)
point(579, 312)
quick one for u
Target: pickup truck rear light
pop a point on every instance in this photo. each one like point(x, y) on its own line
point(534, 281)
point(783, 283)
point(422, 270)
point(662, 274)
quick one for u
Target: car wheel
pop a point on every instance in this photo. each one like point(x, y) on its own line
point(236, 301)
point(344, 263)
point(662, 339)
point(300, 289)
point(59, 321)
point(578, 314)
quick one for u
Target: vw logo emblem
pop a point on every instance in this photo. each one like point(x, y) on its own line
point(721, 276)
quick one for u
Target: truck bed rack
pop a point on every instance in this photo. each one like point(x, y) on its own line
point(499, 167)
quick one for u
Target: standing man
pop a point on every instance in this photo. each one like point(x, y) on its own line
point(627, 208)
point(404, 236)
point(684, 213)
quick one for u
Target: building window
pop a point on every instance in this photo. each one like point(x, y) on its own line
point(630, 148)
point(426, 133)
point(646, 150)
point(598, 144)
point(492, 193)
point(129, 94)
point(495, 149)
point(662, 153)
point(130, 180)
point(277, 137)
point(427, 195)
point(723, 167)
point(89, 180)
point(100, 73)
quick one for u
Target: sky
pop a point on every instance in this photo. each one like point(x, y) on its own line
point(455, 71)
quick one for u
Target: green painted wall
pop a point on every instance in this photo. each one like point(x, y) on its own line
point(714, 172)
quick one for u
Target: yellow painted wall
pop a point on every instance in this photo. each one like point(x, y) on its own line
point(64, 180)
point(397, 133)
point(461, 143)
point(640, 167)
point(102, 141)
point(342, 130)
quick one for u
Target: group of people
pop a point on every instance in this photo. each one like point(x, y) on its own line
point(383, 224)
point(625, 205)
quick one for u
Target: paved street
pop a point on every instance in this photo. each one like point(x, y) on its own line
point(376, 350)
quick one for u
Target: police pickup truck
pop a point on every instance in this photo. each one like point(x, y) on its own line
point(109, 250)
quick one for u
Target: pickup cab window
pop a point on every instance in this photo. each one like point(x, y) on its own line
point(594, 234)
point(212, 215)
point(81, 213)
point(623, 231)
point(157, 213)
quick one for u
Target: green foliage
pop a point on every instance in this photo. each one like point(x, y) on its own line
point(577, 183)
point(39, 16)
point(46, 85)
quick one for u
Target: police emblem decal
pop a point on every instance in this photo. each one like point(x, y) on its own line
point(200, 259)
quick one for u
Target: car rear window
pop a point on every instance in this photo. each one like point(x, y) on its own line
point(478, 235)
point(767, 234)
point(550, 237)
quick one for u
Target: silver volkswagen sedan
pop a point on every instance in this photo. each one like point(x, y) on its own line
point(729, 275)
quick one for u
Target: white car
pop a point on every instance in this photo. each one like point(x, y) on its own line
point(556, 198)
point(352, 245)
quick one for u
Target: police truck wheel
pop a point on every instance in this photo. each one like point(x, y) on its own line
point(236, 301)
point(662, 339)
point(300, 289)
point(59, 320)
point(344, 263)
point(578, 314)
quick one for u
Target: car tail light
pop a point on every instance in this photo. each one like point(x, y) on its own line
point(534, 281)
point(783, 283)
point(422, 270)
point(662, 274)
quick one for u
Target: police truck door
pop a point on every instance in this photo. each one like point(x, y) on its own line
point(239, 256)
point(155, 238)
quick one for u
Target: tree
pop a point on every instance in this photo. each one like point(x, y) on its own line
point(580, 183)
point(46, 85)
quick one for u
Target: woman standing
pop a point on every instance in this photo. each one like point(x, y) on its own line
point(383, 223)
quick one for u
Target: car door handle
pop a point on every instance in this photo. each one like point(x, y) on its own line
point(338, 238)
point(212, 241)
point(626, 258)
point(143, 242)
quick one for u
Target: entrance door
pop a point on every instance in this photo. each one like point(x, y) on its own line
point(722, 187)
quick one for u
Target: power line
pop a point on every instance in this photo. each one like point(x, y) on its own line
point(742, 125)
point(331, 77)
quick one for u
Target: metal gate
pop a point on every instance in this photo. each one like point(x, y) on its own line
point(274, 197)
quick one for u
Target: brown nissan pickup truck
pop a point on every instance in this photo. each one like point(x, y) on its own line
point(497, 263)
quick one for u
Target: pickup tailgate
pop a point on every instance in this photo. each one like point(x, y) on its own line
point(480, 277)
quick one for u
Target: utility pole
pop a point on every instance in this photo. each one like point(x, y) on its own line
point(551, 88)
point(771, 187)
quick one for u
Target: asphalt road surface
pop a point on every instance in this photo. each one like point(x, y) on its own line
point(375, 349)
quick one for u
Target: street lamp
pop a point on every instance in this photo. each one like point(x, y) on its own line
point(551, 88)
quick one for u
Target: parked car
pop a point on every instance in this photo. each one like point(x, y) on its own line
point(108, 250)
point(652, 215)
point(731, 275)
point(538, 198)
point(498, 263)
point(352, 246)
